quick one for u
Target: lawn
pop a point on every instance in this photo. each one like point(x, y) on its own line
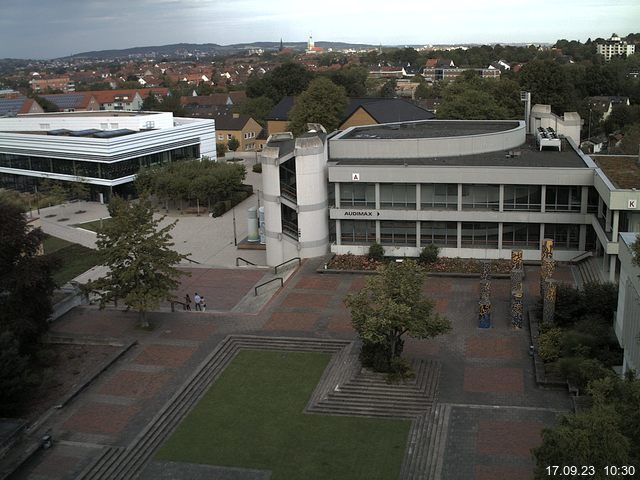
point(72, 259)
point(94, 225)
point(252, 417)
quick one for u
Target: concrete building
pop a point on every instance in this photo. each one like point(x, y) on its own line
point(615, 46)
point(627, 321)
point(474, 188)
point(103, 149)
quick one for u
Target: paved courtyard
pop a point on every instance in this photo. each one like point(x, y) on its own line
point(487, 381)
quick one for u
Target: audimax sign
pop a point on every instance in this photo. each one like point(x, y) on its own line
point(361, 213)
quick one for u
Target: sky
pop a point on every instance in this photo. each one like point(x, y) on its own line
point(53, 28)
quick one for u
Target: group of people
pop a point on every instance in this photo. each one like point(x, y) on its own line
point(198, 300)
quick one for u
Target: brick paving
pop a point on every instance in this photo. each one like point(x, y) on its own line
point(487, 375)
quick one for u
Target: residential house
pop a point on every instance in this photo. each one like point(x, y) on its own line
point(359, 111)
point(605, 104)
point(241, 127)
point(209, 106)
point(74, 102)
point(15, 105)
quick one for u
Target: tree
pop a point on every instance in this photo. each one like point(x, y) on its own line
point(233, 144)
point(287, 79)
point(13, 370)
point(257, 108)
point(388, 90)
point(323, 102)
point(352, 78)
point(138, 254)
point(389, 306)
point(26, 284)
point(548, 83)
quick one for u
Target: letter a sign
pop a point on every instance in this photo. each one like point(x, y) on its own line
point(355, 177)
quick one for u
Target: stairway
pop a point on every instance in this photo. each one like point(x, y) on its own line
point(117, 463)
point(590, 270)
point(369, 394)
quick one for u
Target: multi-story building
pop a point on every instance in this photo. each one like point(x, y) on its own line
point(64, 83)
point(474, 188)
point(627, 321)
point(102, 149)
point(241, 127)
point(615, 46)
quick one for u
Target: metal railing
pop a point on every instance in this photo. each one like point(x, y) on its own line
point(244, 260)
point(192, 261)
point(268, 282)
point(275, 269)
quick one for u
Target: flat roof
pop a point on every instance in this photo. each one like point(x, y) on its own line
point(96, 113)
point(429, 129)
point(526, 155)
point(622, 170)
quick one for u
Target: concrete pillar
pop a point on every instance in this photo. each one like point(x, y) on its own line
point(378, 199)
point(543, 200)
point(459, 239)
point(418, 197)
point(377, 231)
point(500, 228)
point(612, 268)
point(271, 203)
point(338, 231)
point(584, 200)
point(614, 227)
point(418, 234)
point(607, 221)
point(337, 194)
point(582, 239)
point(501, 199)
point(459, 199)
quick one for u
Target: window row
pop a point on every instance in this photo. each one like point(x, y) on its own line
point(474, 197)
point(445, 234)
point(110, 171)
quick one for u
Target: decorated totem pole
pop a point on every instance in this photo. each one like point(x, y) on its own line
point(484, 304)
point(517, 290)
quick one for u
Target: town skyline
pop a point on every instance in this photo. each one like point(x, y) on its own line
point(72, 26)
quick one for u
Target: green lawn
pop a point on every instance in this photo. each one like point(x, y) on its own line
point(94, 225)
point(72, 259)
point(252, 418)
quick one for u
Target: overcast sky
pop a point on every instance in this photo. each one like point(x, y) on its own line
point(54, 28)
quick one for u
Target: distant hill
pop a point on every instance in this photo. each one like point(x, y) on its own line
point(206, 49)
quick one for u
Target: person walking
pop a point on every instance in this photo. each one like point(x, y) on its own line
point(187, 302)
point(203, 304)
point(197, 299)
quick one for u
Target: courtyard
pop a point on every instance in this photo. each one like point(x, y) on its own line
point(488, 409)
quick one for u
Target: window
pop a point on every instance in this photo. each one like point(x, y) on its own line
point(114, 126)
point(437, 196)
point(398, 195)
point(480, 235)
point(442, 234)
point(522, 197)
point(563, 199)
point(104, 126)
point(220, 137)
point(357, 195)
point(229, 136)
point(565, 237)
point(524, 235)
point(480, 197)
point(398, 233)
point(45, 126)
point(357, 232)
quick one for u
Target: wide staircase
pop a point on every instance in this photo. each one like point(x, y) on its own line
point(590, 270)
point(118, 463)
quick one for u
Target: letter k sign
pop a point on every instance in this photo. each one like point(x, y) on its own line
point(632, 204)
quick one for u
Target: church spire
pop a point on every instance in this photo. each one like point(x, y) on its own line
point(281, 46)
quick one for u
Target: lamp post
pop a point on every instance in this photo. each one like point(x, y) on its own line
point(589, 137)
point(235, 238)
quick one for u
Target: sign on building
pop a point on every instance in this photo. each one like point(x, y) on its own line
point(355, 177)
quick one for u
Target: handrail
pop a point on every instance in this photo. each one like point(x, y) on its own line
point(275, 269)
point(244, 260)
point(192, 261)
point(580, 257)
point(267, 282)
point(173, 302)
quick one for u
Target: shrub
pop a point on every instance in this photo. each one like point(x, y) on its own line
point(218, 209)
point(221, 149)
point(569, 305)
point(600, 299)
point(429, 254)
point(257, 168)
point(549, 344)
point(581, 371)
point(376, 252)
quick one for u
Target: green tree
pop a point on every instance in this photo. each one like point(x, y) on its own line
point(233, 144)
point(142, 265)
point(352, 78)
point(13, 370)
point(388, 90)
point(470, 104)
point(286, 80)
point(257, 108)
point(548, 83)
point(26, 284)
point(323, 102)
point(590, 437)
point(391, 305)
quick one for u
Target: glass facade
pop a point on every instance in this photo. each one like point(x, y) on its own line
point(358, 232)
point(439, 196)
point(479, 235)
point(522, 235)
point(358, 195)
point(398, 233)
point(522, 197)
point(442, 234)
point(398, 195)
point(565, 237)
point(104, 170)
point(480, 197)
point(562, 199)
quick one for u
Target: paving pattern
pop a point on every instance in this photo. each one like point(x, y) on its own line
point(486, 417)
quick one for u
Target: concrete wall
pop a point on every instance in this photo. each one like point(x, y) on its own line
point(84, 120)
point(627, 321)
point(567, 125)
point(429, 147)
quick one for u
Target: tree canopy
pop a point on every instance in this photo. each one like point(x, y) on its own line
point(391, 305)
point(138, 252)
point(323, 102)
point(287, 79)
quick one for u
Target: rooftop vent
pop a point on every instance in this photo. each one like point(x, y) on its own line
point(547, 137)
